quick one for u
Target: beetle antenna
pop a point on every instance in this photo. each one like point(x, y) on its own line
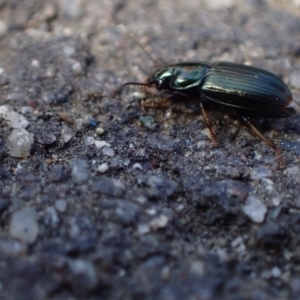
point(147, 53)
point(134, 83)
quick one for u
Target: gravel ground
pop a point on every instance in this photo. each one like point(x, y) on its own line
point(101, 199)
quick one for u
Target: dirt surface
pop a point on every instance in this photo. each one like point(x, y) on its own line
point(112, 201)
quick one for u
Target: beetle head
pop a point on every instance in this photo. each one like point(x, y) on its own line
point(161, 79)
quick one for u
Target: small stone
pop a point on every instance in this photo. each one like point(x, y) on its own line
point(26, 110)
point(276, 272)
point(35, 63)
point(143, 229)
point(108, 186)
point(102, 144)
point(295, 79)
point(127, 212)
point(100, 130)
point(44, 135)
point(294, 173)
point(72, 9)
point(15, 120)
point(102, 168)
point(59, 174)
point(108, 151)
point(137, 166)
point(236, 242)
point(23, 225)
point(20, 142)
point(61, 205)
point(259, 173)
point(3, 28)
point(147, 122)
point(4, 109)
point(89, 141)
point(159, 222)
point(77, 68)
point(79, 170)
point(12, 247)
point(255, 209)
point(66, 133)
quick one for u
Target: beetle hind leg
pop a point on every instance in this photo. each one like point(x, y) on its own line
point(268, 142)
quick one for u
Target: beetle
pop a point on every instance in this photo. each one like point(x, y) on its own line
point(244, 90)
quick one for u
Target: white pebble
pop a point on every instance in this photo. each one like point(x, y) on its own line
point(14, 119)
point(61, 205)
point(255, 209)
point(108, 151)
point(295, 79)
point(66, 133)
point(259, 173)
point(102, 144)
point(35, 63)
point(20, 142)
point(23, 225)
point(79, 170)
point(159, 222)
point(102, 168)
point(89, 141)
point(137, 166)
point(26, 110)
point(143, 229)
point(4, 109)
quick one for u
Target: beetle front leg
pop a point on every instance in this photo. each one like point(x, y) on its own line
point(208, 125)
point(268, 142)
point(161, 103)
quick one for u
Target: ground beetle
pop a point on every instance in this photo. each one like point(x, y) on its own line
point(245, 90)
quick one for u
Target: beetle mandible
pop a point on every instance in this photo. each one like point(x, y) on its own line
point(245, 90)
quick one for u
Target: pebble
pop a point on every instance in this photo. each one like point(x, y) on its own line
point(23, 225)
point(219, 4)
point(159, 222)
point(4, 109)
point(147, 122)
point(61, 205)
point(66, 133)
point(79, 170)
point(255, 209)
point(108, 186)
point(137, 166)
point(143, 229)
point(259, 173)
point(3, 28)
point(102, 144)
point(20, 142)
point(295, 79)
point(71, 8)
point(16, 120)
point(108, 151)
point(100, 130)
point(294, 173)
point(103, 168)
point(89, 141)
point(12, 247)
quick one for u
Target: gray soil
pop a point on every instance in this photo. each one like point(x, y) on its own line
point(116, 201)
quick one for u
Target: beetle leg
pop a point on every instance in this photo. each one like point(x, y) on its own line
point(268, 142)
point(208, 125)
point(161, 103)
